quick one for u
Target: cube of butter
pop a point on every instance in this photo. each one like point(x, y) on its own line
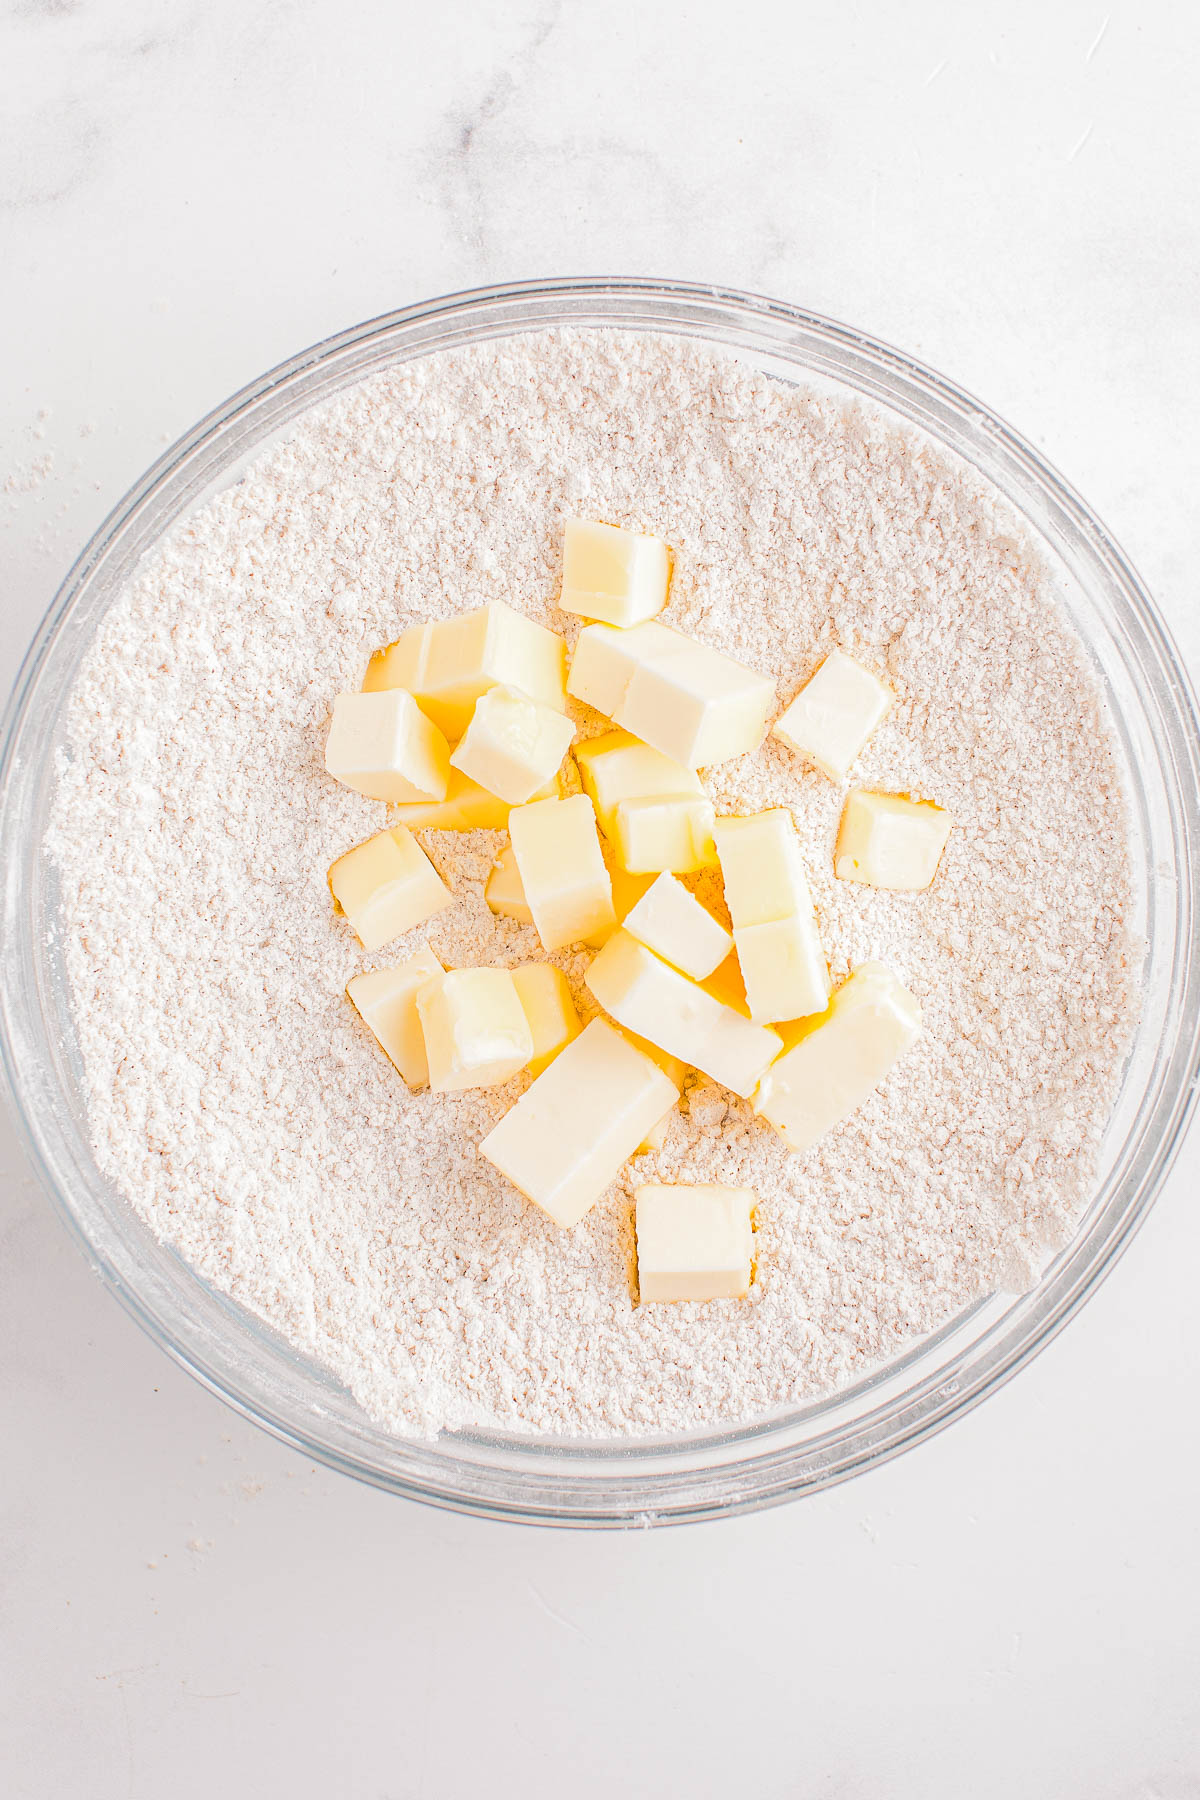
point(402, 664)
point(382, 745)
point(834, 714)
point(475, 1028)
point(774, 925)
point(890, 840)
point(562, 870)
point(694, 1243)
point(696, 705)
point(650, 998)
point(513, 745)
point(386, 1000)
point(493, 647)
point(387, 885)
point(545, 994)
point(670, 920)
point(504, 893)
point(835, 1061)
point(691, 702)
point(620, 577)
point(665, 832)
point(617, 766)
point(605, 658)
point(466, 807)
point(564, 1141)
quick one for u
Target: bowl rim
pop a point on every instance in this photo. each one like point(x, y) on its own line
point(575, 1494)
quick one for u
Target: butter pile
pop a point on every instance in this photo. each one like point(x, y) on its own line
point(471, 723)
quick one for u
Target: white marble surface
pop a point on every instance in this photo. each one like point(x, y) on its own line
point(190, 191)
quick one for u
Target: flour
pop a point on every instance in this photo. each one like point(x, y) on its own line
point(233, 1093)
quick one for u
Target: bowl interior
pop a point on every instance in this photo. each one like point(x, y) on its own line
point(648, 1480)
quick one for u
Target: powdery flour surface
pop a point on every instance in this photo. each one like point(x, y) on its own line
point(238, 1101)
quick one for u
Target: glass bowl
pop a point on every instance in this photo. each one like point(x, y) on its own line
point(643, 1482)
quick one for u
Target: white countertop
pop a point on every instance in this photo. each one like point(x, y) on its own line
point(188, 193)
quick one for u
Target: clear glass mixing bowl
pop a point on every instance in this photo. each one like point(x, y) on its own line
point(647, 1481)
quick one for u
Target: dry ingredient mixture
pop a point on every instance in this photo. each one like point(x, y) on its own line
point(238, 1101)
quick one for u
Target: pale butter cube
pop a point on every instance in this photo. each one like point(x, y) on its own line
point(691, 702)
point(504, 893)
point(475, 1028)
point(670, 920)
point(466, 807)
point(834, 714)
point(668, 832)
point(387, 885)
point(783, 966)
point(493, 647)
point(619, 577)
point(402, 664)
point(694, 1243)
point(648, 997)
point(513, 745)
point(617, 767)
point(762, 867)
point(561, 865)
point(545, 995)
point(565, 1140)
point(774, 923)
point(835, 1061)
point(382, 745)
point(696, 705)
point(890, 840)
point(605, 659)
point(386, 1000)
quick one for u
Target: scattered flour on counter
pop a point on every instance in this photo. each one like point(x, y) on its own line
point(234, 1095)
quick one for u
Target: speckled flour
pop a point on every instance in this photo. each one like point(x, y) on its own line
point(235, 1096)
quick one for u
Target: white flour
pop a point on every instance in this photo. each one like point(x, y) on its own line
point(237, 1100)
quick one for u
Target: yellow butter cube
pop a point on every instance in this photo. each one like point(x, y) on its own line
point(504, 893)
point(493, 647)
point(774, 925)
point(382, 745)
point(545, 994)
point(561, 865)
point(835, 1061)
point(648, 997)
point(694, 1243)
point(671, 832)
point(402, 664)
point(783, 966)
point(387, 885)
point(696, 705)
point(564, 1141)
point(620, 577)
point(617, 766)
point(466, 807)
point(691, 702)
point(605, 658)
point(890, 840)
point(670, 920)
point(475, 1028)
point(386, 1000)
point(834, 714)
point(513, 745)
